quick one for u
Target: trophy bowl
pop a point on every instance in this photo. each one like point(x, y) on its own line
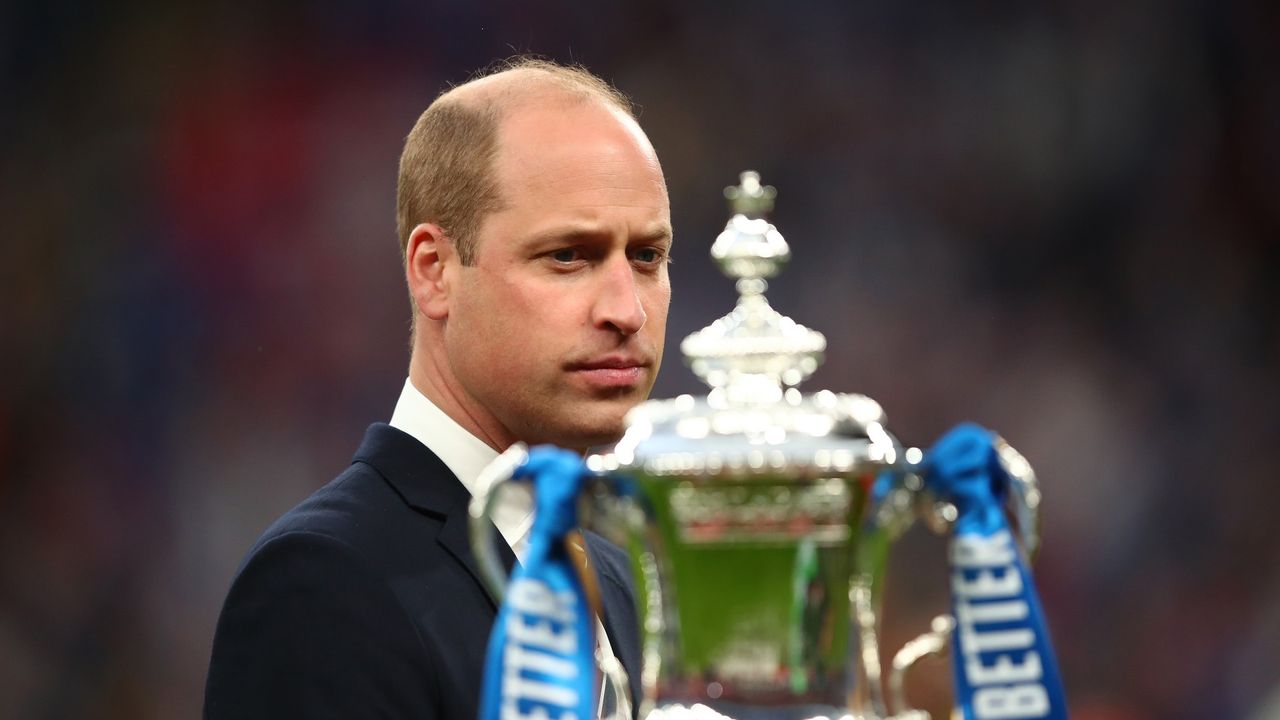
point(758, 519)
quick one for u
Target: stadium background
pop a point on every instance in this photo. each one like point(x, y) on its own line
point(1059, 220)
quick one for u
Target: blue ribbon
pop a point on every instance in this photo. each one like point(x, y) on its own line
point(1004, 662)
point(540, 662)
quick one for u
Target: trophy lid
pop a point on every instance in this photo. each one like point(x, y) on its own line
point(754, 419)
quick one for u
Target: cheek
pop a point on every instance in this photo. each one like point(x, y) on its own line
point(507, 324)
point(656, 303)
point(484, 350)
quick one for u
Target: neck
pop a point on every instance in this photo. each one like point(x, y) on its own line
point(430, 374)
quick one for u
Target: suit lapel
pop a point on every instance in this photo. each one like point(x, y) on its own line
point(455, 538)
point(625, 646)
point(425, 483)
point(619, 616)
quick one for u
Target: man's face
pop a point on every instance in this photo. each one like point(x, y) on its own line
point(557, 329)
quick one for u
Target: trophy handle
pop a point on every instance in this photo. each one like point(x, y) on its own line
point(904, 501)
point(1022, 505)
point(488, 488)
point(935, 642)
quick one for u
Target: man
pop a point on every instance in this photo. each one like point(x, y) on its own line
point(535, 226)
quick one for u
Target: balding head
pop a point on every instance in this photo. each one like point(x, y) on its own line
point(447, 168)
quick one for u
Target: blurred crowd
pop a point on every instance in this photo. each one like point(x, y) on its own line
point(1060, 220)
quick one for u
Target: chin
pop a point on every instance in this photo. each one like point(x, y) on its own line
point(586, 425)
point(590, 440)
point(605, 432)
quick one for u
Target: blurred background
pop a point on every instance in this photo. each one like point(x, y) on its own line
point(1058, 220)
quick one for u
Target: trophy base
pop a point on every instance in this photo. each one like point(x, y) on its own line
point(730, 711)
point(698, 711)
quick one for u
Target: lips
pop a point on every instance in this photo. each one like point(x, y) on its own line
point(611, 371)
point(611, 362)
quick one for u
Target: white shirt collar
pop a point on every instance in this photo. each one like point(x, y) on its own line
point(465, 455)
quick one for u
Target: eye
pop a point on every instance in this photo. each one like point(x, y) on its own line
point(649, 255)
point(565, 255)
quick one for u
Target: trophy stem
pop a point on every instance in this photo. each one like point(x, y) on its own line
point(869, 690)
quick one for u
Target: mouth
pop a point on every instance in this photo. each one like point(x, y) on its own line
point(612, 371)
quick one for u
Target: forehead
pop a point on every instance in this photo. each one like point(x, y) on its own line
point(573, 150)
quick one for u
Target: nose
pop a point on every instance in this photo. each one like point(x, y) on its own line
point(617, 304)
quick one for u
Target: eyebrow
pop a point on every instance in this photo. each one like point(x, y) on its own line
point(659, 235)
point(582, 233)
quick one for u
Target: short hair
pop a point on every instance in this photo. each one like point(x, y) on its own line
point(447, 168)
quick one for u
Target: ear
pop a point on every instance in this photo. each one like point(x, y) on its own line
point(428, 255)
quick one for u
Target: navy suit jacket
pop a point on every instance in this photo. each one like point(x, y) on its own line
point(365, 600)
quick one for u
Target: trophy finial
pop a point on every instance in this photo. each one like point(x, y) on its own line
point(750, 248)
point(749, 197)
point(753, 352)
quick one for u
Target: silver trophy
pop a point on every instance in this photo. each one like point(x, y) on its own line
point(758, 544)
